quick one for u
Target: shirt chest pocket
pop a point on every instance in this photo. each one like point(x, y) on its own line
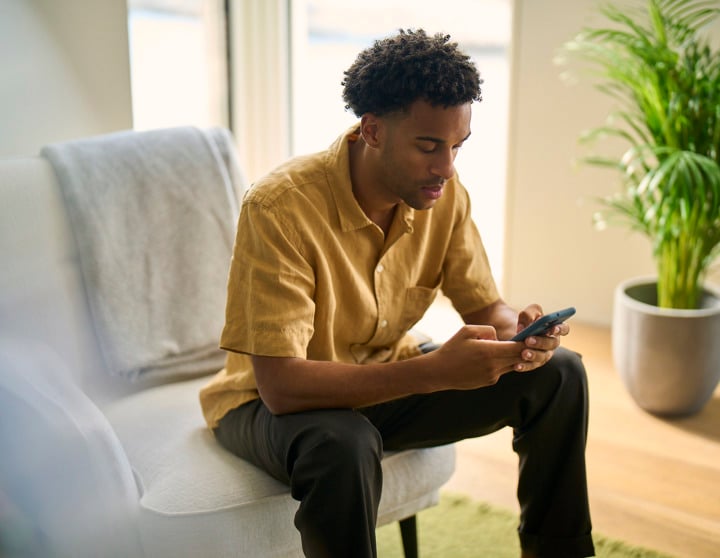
point(417, 301)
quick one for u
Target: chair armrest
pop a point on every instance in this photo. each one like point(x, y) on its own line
point(63, 472)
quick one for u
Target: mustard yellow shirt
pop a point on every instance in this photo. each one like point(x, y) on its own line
point(312, 277)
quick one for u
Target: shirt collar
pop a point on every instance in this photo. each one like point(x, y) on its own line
point(337, 168)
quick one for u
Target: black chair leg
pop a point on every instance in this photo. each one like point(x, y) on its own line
point(408, 532)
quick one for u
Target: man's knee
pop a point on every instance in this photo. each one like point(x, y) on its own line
point(344, 439)
point(566, 378)
point(339, 454)
point(570, 367)
point(556, 397)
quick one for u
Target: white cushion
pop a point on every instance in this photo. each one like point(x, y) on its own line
point(191, 486)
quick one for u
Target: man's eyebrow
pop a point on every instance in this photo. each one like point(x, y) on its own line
point(439, 140)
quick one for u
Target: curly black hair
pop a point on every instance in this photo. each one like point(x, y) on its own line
point(399, 70)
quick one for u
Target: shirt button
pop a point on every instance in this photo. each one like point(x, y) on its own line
point(380, 268)
point(383, 323)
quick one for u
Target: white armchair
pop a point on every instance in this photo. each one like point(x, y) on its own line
point(110, 465)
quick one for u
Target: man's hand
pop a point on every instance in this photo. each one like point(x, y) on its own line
point(534, 312)
point(538, 348)
point(529, 354)
point(528, 316)
point(474, 358)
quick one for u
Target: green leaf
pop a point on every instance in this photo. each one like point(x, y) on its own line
point(653, 60)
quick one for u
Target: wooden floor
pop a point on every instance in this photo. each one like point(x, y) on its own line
point(652, 482)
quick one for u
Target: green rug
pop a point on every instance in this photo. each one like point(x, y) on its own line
point(462, 528)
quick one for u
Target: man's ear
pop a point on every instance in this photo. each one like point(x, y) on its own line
point(371, 129)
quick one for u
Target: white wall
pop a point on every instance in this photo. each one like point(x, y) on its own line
point(553, 255)
point(64, 72)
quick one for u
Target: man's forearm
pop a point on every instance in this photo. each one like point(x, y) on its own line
point(289, 385)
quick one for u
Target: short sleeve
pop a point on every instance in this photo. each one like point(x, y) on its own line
point(468, 280)
point(270, 307)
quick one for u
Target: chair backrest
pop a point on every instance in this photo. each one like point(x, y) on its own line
point(46, 292)
point(41, 292)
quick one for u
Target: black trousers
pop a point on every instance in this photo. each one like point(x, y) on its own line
point(331, 458)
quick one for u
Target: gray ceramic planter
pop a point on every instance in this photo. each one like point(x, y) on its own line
point(669, 360)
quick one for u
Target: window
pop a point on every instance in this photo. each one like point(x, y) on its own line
point(180, 76)
point(328, 34)
point(178, 63)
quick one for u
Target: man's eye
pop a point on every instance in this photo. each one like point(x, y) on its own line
point(427, 148)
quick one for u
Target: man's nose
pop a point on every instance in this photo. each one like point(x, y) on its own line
point(444, 164)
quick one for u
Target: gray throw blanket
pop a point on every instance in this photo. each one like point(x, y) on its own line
point(153, 214)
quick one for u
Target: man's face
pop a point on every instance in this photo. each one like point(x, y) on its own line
point(417, 151)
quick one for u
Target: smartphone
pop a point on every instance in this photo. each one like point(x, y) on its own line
point(544, 324)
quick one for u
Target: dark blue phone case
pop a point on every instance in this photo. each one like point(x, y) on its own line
point(544, 324)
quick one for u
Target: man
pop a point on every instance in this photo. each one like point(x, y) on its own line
point(337, 255)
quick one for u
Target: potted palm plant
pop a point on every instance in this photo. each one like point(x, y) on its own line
point(655, 59)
